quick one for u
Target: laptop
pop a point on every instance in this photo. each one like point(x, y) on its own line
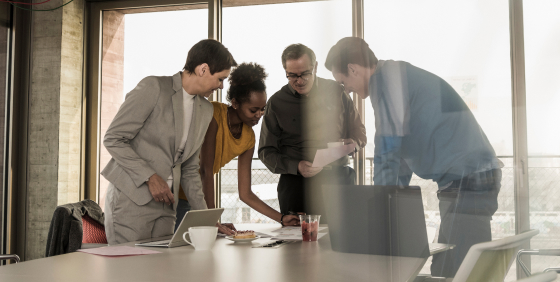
point(207, 217)
point(377, 220)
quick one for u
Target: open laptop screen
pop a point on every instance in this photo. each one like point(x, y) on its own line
point(377, 220)
point(207, 217)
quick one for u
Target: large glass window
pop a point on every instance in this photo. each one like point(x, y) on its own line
point(467, 44)
point(137, 45)
point(542, 69)
point(259, 34)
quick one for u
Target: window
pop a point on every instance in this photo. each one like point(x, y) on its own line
point(467, 44)
point(318, 25)
point(542, 68)
point(136, 45)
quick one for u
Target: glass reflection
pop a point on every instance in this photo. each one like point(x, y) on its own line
point(424, 127)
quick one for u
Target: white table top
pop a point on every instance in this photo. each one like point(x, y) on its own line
point(227, 261)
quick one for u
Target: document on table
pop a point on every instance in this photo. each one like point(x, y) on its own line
point(260, 234)
point(291, 230)
point(293, 233)
point(295, 237)
point(117, 251)
point(324, 157)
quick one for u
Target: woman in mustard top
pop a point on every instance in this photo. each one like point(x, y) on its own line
point(230, 135)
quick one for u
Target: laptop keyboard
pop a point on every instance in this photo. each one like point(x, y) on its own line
point(162, 242)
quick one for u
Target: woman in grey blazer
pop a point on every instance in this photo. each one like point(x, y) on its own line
point(155, 141)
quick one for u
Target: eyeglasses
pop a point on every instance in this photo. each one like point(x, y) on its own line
point(304, 76)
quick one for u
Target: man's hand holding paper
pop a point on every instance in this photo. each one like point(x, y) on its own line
point(324, 157)
point(349, 141)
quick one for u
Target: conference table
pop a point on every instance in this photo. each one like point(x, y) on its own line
point(227, 261)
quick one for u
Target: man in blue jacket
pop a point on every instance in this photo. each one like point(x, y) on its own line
point(424, 127)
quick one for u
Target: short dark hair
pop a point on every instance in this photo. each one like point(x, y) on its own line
point(350, 50)
point(295, 51)
point(211, 52)
point(246, 78)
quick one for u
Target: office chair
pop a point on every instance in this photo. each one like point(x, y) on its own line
point(542, 277)
point(12, 257)
point(538, 252)
point(76, 226)
point(493, 259)
point(93, 233)
point(489, 261)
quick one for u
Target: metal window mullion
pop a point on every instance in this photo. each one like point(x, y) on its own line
point(7, 191)
point(358, 31)
point(519, 122)
point(215, 32)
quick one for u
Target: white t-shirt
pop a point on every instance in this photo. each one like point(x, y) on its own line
point(188, 103)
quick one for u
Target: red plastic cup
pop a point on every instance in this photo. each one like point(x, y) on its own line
point(309, 227)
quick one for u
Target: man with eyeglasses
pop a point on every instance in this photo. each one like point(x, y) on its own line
point(300, 118)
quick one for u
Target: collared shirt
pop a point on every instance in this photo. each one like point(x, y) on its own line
point(188, 102)
point(295, 126)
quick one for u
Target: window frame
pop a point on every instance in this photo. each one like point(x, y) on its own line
point(92, 78)
point(92, 92)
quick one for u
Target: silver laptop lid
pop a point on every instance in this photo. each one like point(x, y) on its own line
point(193, 218)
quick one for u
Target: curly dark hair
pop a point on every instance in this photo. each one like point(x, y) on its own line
point(246, 78)
point(211, 52)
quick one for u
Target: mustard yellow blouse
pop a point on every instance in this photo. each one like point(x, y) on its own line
point(227, 147)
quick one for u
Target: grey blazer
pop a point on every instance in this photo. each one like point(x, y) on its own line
point(144, 137)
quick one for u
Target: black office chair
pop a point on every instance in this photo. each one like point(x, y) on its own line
point(76, 226)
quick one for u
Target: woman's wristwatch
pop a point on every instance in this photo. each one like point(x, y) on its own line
point(282, 220)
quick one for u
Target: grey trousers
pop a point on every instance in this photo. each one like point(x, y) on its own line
point(126, 221)
point(466, 209)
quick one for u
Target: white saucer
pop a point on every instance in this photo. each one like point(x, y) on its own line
point(242, 240)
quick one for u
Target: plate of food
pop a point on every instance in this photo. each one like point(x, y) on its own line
point(243, 236)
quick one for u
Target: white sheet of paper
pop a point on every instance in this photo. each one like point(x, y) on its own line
point(295, 237)
point(260, 234)
point(324, 157)
point(291, 230)
point(263, 235)
point(118, 251)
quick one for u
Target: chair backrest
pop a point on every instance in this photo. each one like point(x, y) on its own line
point(542, 277)
point(490, 261)
point(66, 230)
point(94, 232)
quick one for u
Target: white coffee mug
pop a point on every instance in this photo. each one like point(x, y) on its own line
point(202, 237)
